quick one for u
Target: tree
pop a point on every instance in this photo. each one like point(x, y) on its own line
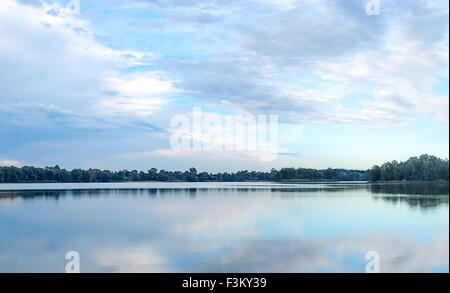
point(424, 168)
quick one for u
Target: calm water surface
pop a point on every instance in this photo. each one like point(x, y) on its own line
point(224, 227)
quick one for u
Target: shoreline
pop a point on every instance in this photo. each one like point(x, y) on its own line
point(277, 182)
point(409, 182)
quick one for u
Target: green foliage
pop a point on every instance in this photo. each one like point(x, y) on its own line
point(29, 174)
point(56, 174)
point(302, 174)
point(424, 168)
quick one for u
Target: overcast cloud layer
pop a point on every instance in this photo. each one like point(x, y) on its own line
point(98, 89)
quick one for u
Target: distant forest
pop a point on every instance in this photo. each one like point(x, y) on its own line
point(424, 168)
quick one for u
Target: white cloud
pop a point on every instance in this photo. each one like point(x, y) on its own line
point(394, 58)
point(51, 57)
point(259, 69)
point(128, 106)
point(138, 85)
point(8, 162)
point(281, 4)
point(131, 259)
point(401, 70)
point(305, 61)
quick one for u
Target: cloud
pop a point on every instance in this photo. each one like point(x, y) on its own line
point(5, 162)
point(176, 3)
point(244, 86)
point(298, 63)
point(197, 17)
point(300, 59)
point(51, 59)
point(128, 260)
point(402, 72)
point(131, 65)
point(289, 36)
point(43, 116)
point(138, 85)
point(281, 4)
point(397, 255)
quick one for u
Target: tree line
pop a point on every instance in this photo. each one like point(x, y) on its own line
point(29, 174)
point(303, 174)
point(424, 168)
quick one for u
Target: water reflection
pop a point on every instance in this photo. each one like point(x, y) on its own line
point(422, 202)
point(411, 188)
point(422, 195)
point(243, 228)
point(340, 254)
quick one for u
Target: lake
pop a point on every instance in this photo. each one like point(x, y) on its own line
point(224, 227)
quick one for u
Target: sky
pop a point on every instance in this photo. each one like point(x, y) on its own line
point(100, 87)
